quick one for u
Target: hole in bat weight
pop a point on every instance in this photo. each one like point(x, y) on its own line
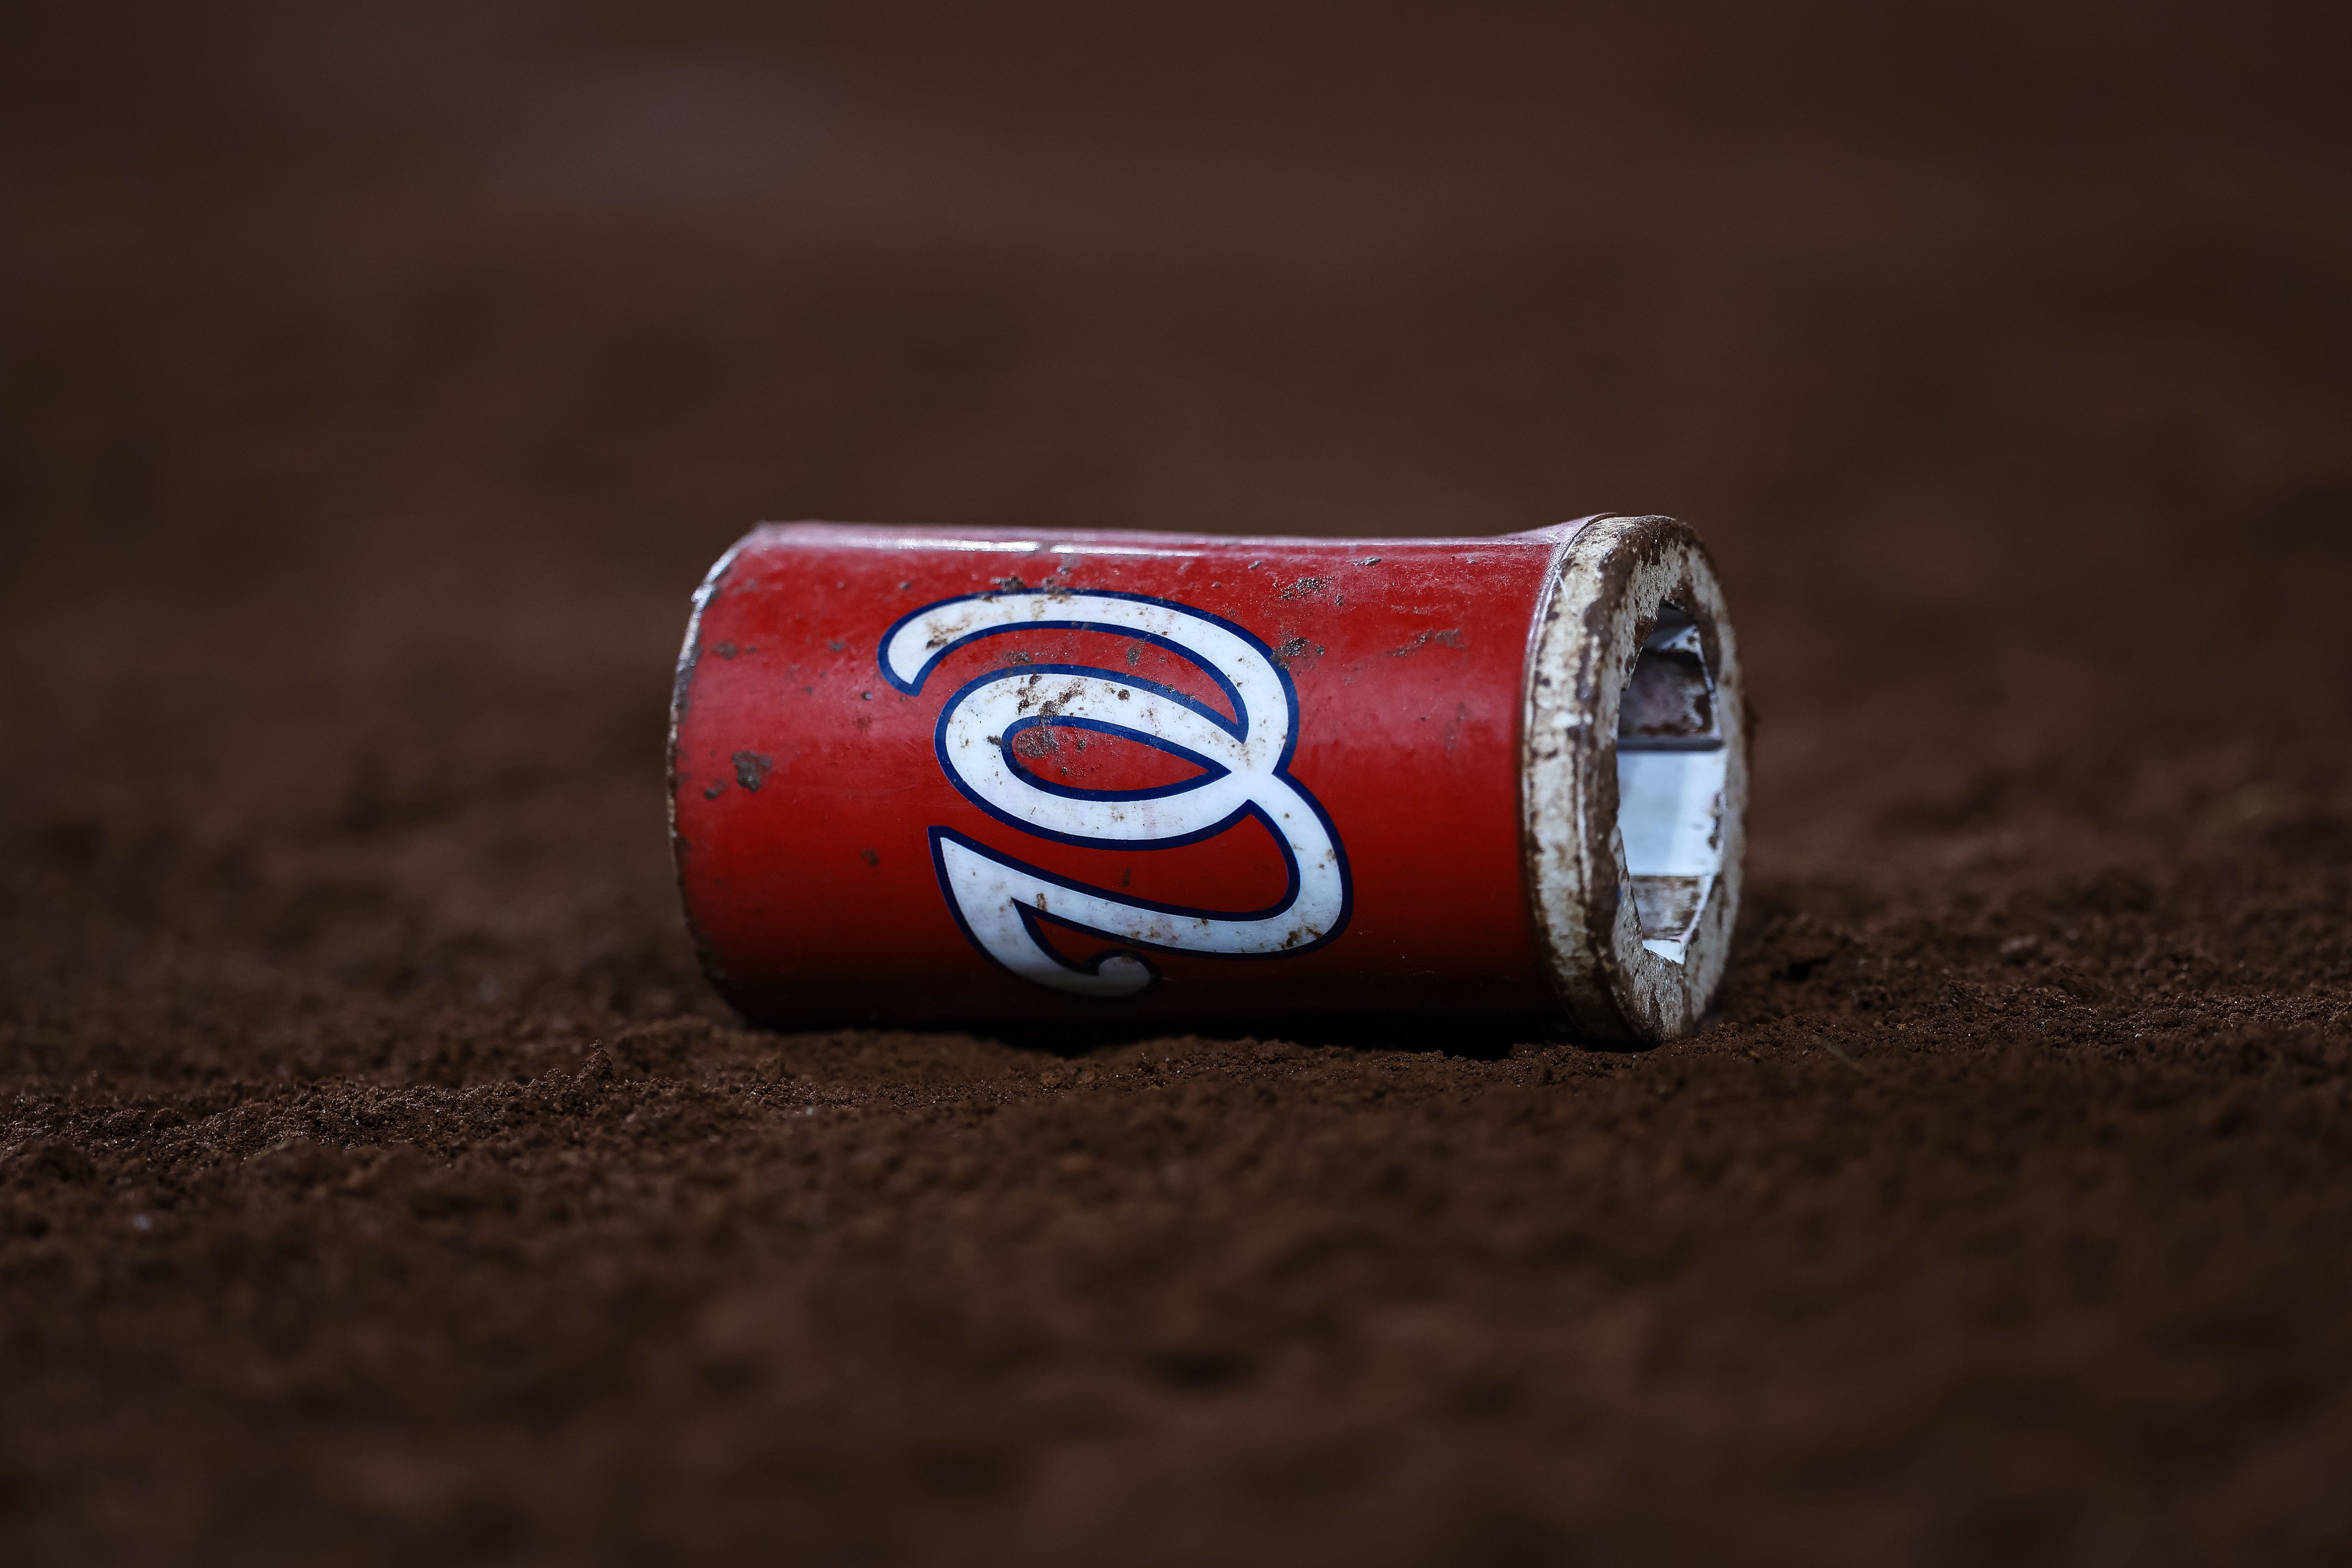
point(1671, 764)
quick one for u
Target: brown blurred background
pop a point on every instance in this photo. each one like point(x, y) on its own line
point(376, 381)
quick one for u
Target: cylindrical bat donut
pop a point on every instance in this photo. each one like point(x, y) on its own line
point(942, 777)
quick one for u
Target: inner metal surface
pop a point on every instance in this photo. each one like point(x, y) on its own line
point(1671, 771)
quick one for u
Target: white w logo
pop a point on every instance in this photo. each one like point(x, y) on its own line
point(1000, 900)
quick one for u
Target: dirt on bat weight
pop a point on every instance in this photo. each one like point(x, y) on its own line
point(924, 776)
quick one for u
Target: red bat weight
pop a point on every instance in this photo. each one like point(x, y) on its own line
point(927, 776)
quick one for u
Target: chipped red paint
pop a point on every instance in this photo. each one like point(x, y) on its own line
point(810, 796)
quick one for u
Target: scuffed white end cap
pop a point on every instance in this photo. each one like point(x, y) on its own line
point(1634, 781)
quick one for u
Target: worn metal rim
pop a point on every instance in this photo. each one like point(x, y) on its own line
point(1608, 584)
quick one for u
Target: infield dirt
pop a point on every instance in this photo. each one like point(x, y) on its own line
point(380, 1182)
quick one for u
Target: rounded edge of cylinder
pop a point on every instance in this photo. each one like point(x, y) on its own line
point(681, 697)
point(1601, 602)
